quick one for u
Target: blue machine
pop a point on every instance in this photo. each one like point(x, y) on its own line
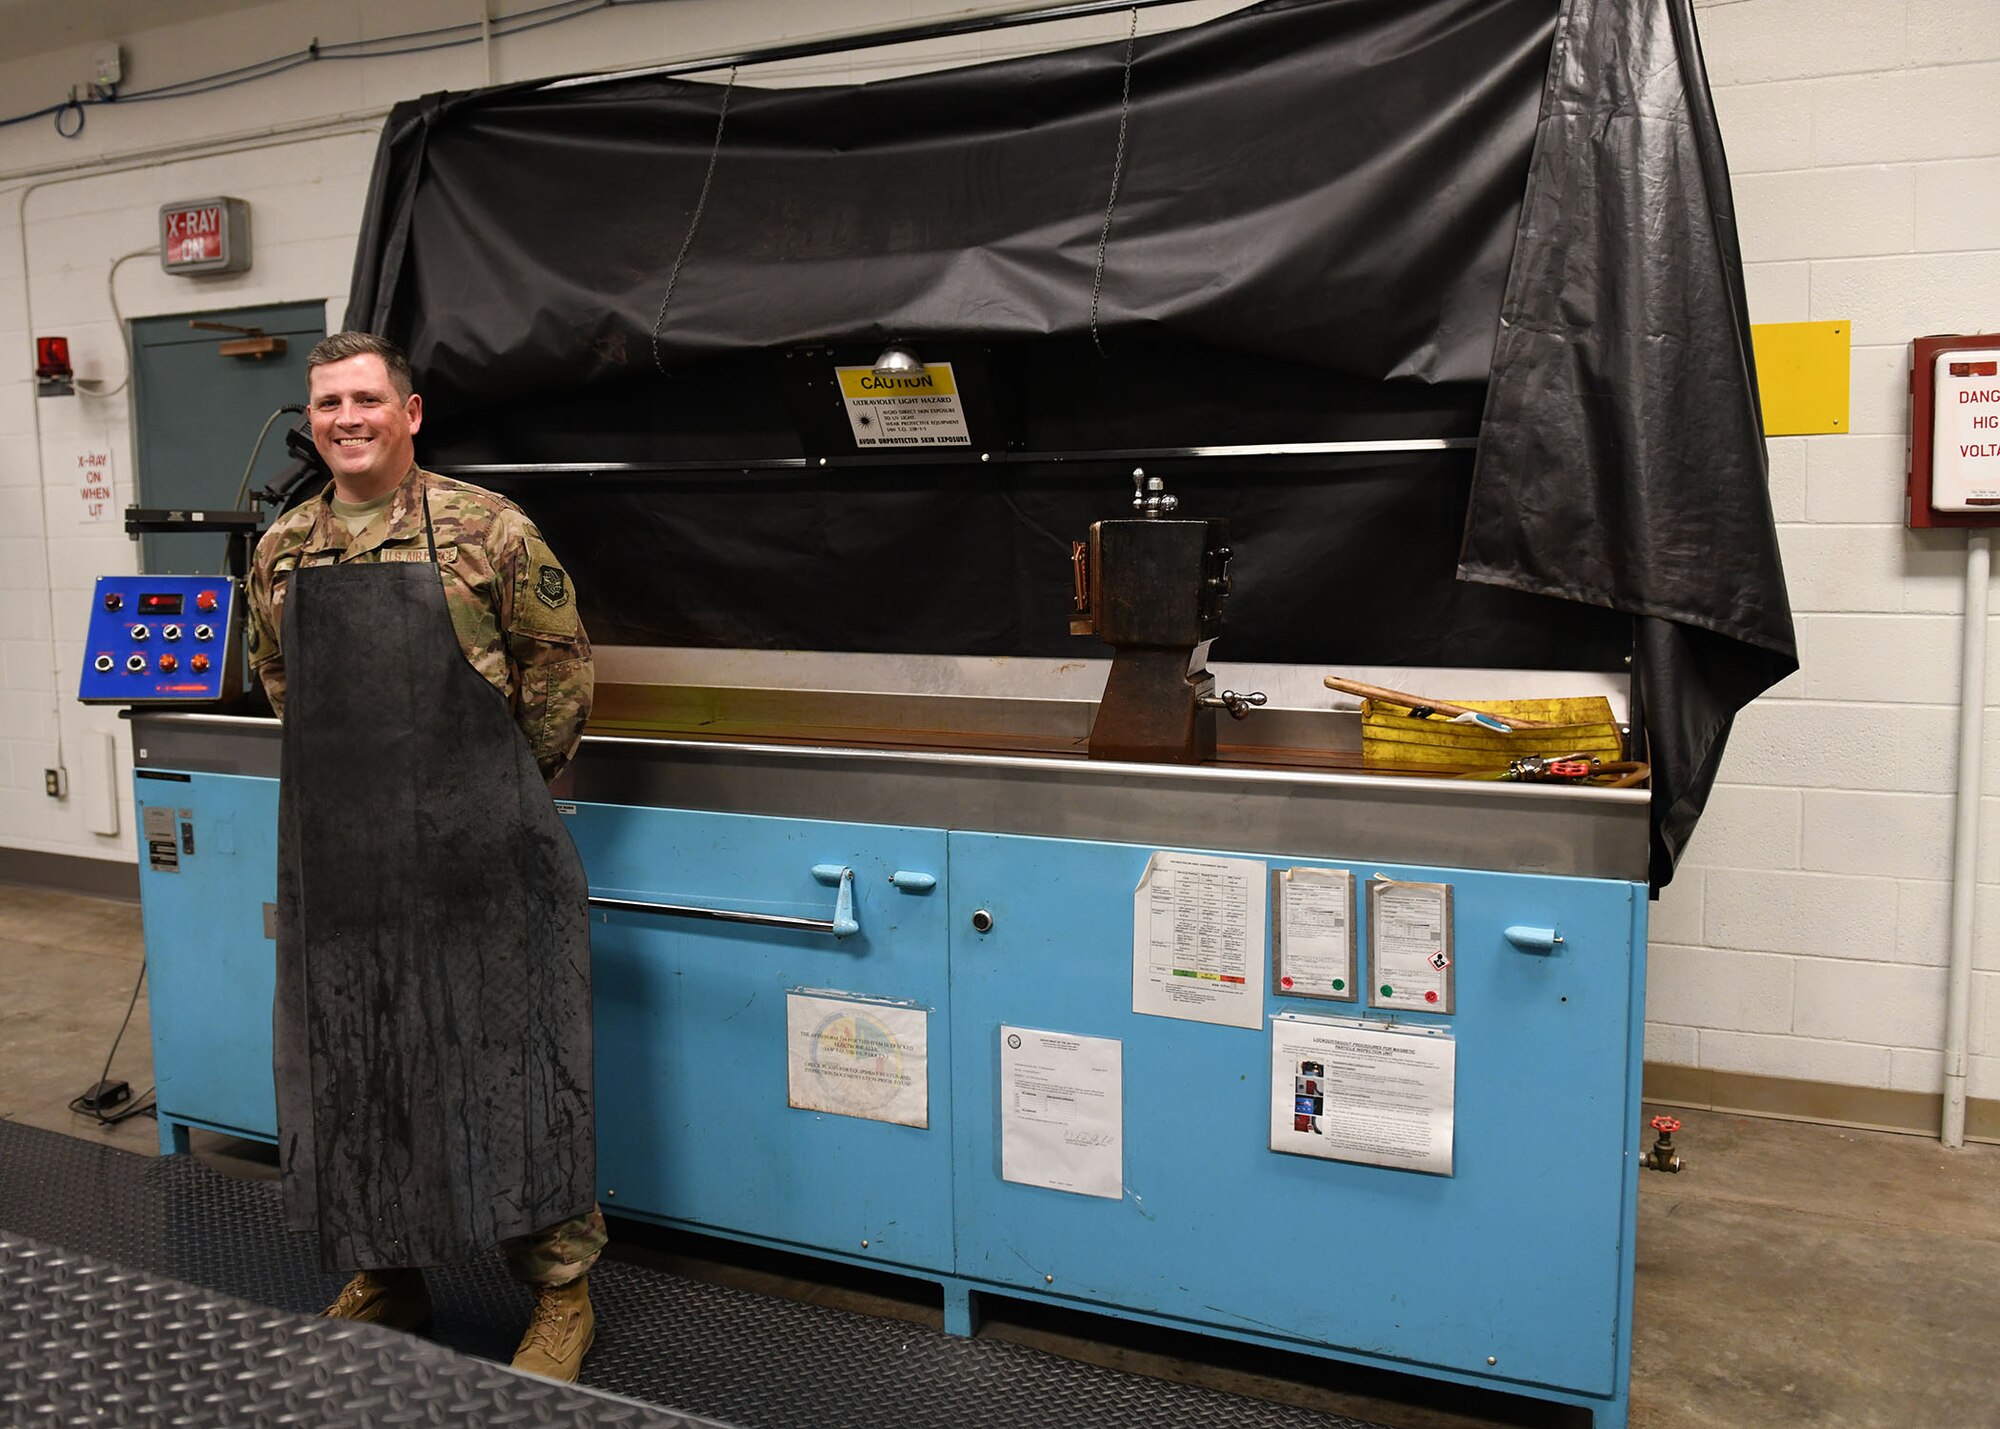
point(965, 894)
point(161, 639)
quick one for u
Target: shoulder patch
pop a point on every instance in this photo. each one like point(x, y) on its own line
point(551, 587)
point(545, 598)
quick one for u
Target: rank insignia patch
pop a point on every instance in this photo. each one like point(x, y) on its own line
point(551, 589)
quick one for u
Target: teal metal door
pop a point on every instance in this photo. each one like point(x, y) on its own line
point(1514, 1268)
point(208, 866)
point(695, 1121)
point(198, 414)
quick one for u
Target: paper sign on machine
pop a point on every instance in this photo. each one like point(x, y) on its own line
point(1198, 939)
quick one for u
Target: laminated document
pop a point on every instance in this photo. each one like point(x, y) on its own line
point(1348, 1090)
point(1312, 933)
point(856, 1056)
point(1198, 939)
point(1410, 946)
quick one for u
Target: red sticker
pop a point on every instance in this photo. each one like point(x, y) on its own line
point(1430, 997)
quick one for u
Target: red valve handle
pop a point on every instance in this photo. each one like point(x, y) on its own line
point(1666, 1125)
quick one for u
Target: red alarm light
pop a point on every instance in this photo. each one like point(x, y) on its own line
point(54, 377)
point(52, 357)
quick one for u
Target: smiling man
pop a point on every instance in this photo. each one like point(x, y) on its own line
point(432, 1043)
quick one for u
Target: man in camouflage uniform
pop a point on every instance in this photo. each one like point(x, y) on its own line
point(513, 610)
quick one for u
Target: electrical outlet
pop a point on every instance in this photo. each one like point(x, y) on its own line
point(56, 781)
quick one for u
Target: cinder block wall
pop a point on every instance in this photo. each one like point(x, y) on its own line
point(1805, 937)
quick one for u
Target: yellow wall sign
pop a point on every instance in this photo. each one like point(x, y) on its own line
point(1802, 376)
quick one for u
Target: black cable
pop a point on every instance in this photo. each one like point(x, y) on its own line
point(61, 109)
point(253, 70)
point(151, 95)
point(501, 25)
point(471, 25)
point(139, 1103)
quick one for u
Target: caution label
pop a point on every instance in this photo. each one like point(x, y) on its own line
point(916, 409)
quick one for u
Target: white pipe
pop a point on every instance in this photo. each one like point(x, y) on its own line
point(1965, 843)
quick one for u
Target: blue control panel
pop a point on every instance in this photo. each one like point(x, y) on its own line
point(161, 640)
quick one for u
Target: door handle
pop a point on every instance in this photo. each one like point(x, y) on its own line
point(841, 925)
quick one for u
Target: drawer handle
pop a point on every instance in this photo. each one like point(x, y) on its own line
point(841, 925)
point(911, 881)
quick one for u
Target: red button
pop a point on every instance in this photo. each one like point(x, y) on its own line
point(205, 601)
point(114, 601)
point(199, 664)
point(168, 663)
point(1428, 997)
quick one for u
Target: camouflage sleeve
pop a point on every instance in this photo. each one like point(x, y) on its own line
point(547, 645)
point(265, 612)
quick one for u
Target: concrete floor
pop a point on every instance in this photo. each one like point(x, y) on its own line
point(1793, 1275)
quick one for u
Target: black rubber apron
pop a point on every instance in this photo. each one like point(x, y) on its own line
point(432, 1047)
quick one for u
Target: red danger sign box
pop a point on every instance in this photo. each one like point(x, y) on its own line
point(205, 235)
point(1955, 431)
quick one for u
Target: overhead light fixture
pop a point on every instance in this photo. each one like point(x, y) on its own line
point(898, 361)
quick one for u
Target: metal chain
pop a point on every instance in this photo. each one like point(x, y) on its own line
point(1117, 170)
point(700, 203)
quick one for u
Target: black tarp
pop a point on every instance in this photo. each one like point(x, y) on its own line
point(1319, 216)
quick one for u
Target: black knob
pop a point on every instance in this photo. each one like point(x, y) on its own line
point(103, 664)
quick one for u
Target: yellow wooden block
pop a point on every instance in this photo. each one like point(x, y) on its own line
point(1802, 372)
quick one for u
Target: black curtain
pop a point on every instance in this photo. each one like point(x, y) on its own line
point(1326, 213)
point(1621, 456)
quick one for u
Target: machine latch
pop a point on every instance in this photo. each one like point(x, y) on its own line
point(1239, 706)
point(843, 905)
point(910, 881)
point(1534, 940)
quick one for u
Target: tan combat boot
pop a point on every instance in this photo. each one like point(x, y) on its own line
point(396, 1298)
point(560, 1333)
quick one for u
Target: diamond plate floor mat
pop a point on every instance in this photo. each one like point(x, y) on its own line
point(714, 1351)
point(85, 1342)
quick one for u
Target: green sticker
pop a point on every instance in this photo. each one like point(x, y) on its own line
point(1339, 984)
point(1388, 991)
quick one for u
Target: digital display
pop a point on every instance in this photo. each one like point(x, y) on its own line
point(169, 604)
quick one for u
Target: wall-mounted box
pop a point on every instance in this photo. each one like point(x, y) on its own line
point(205, 235)
point(1954, 462)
